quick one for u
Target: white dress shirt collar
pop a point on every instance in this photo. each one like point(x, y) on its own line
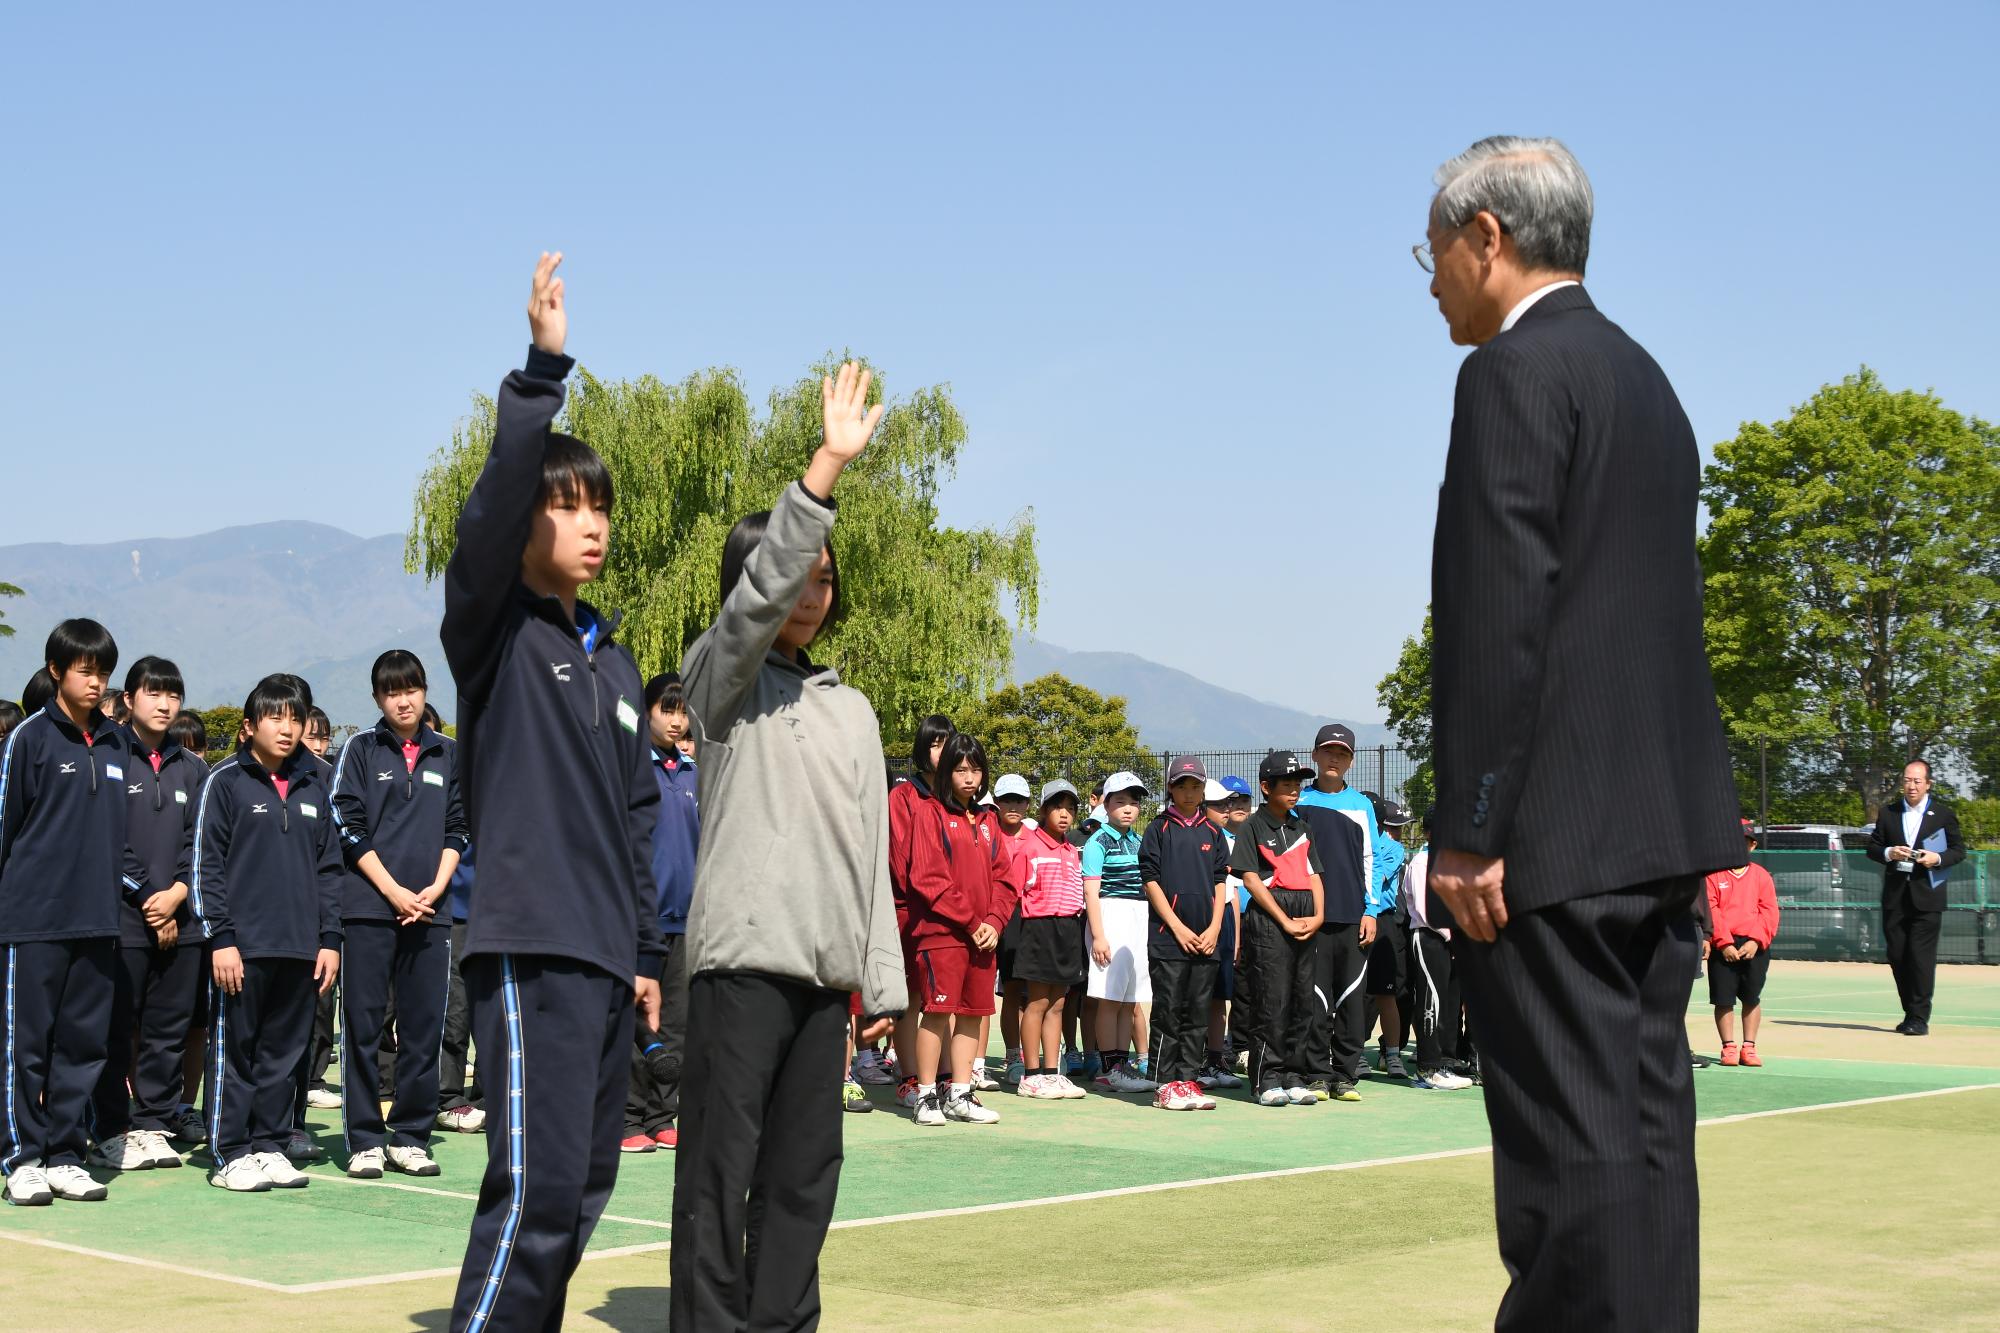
point(1514, 315)
point(1913, 819)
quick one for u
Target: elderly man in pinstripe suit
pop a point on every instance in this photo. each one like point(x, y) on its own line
point(1583, 786)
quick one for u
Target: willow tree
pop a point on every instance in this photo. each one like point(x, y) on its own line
point(924, 624)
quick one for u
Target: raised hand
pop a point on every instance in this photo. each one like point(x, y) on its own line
point(548, 321)
point(844, 402)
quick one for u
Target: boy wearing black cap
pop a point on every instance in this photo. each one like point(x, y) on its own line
point(1388, 969)
point(1279, 863)
point(1184, 862)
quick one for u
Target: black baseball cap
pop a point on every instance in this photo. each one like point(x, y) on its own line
point(1333, 733)
point(1390, 814)
point(1282, 764)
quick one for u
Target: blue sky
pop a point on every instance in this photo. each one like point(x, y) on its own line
point(1160, 253)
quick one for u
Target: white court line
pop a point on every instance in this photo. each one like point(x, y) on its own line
point(472, 1198)
point(384, 1279)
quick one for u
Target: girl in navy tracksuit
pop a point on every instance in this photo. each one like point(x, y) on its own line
point(563, 933)
point(62, 842)
point(266, 890)
point(159, 971)
point(402, 830)
point(654, 1101)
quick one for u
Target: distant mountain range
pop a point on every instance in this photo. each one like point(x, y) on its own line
point(231, 606)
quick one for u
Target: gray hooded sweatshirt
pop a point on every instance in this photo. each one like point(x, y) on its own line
point(792, 880)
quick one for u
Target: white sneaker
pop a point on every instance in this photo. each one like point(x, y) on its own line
point(412, 1161)
point(462, 1119)
point(983, 1081)
point(28, 1187)
point(1443, 1079)
point(278, 1169)
point(966, 1110)
point(929, 1111)
point(366, 1164)
point(72, 1182)
point(1301, 1096)
point(245, 1175)
point(1274, 1097)
point(1033, 1085)
point(125, 1152)
point(1176, 1097)
point(1123, 1079)
point(906, 1094)
point(323, 1099)
point(1069, 1091)
point(162, 1151)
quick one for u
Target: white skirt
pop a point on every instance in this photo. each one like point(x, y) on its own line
point(1127, 978)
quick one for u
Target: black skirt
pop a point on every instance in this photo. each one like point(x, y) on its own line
point(1051, 951)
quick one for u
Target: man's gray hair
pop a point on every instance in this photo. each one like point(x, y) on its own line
point(1535, 187)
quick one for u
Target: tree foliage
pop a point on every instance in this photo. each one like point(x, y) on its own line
point(223, 723)
point(924, 624)
point(8, 590)
point(1405, 698)
point(1053, 727)
point(1852, 568)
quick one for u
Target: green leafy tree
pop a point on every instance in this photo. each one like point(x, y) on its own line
point(1852, 569)
point(8, 590)
point(222, 723)
point(1405, 696)
point(924, 624)
point(1053, 727)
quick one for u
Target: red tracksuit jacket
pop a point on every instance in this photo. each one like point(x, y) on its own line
point(1742, 905)
point(961, 874)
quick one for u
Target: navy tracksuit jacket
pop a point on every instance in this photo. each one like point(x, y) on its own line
point(62, 853)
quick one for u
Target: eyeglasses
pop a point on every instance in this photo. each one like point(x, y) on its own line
point(1425, 259)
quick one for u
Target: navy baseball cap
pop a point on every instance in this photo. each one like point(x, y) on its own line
point(1333, 733)
point(1282, 764)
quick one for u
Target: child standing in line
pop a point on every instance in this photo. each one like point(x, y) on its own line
point(1438, 994)
point(159, 950)
point(962, 891)
point(1743, 907)
point(62, 844)
point(1389, 955)
point(401, 821)
point(1010, 806)
point(1280, 865)
point(461, 1104)
point(266, 890)
point(1185, 865)
point(1342, 821)
point(1216, 1072)
point(905, 801)
point(1050, 958)
point(314, 1090)
point(1114, 897)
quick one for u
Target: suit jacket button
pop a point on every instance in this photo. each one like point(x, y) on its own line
point(1487, 780)
point(1478, 821)
point(1482, 806)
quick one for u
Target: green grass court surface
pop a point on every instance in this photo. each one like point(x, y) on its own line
point(1853, 1182)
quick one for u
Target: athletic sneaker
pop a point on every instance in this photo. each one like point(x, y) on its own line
point(1731, 1053)
point(299, 1147)
point(1749, 1055)
point(163, 1151)
point(1442, 1079)
point(981, 1080)
point(636, 1143)
point(462, 1119)
point(323, 1099)
point(966, 1110)
point(1016, 1071)
point(1202, 1101)
point(1301, 1096)
point(1041, 1087)
point(668, 1138)
point(1320, 1089)
point(245, 1175)
point(1215, 1076)
point(1073, 1063)
point(1064, 1089)
point(1123, 1079)
point(1344, 1091)
point(929, 1112)
point(413, 1160)
point(366, 1164)
point(279, 1170)
point(868, 1068)
point(1093, 1065)
point(906, 1094)
point(1360, 1067)
point(1392, 1064)
point(129, 1151)
point(1177, 1096)
point(1274, 1097)
point(1103, 1079)
point(188, 1125)
point(852, 1098)
point(28, 1187)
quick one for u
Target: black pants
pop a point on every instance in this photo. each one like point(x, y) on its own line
point(555, 1036)
point(760, 1151)
point(654, 1101)
point(152, 1006)
point(1437, 999)
point(1340, 1007)
point(1279, 970)
point(259, 1036)
point(58, 1008)
point(319, 1053)
point(1579, 1010)
point(1911, 935)
point(452, 1089)
point(413, 960)
point(1177, 1047)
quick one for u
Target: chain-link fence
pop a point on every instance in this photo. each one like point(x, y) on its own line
point(1830, 905)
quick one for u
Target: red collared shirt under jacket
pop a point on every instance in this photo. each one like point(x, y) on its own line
point(961, 874)
point(1742, 902)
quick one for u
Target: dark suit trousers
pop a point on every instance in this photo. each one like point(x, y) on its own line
point(1911, 935)
point(1579, 1013)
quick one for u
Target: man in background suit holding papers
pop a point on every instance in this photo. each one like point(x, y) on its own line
point(1916, 839)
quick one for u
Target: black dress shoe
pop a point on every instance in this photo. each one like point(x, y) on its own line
point(1904, 1027)
point(1918, 1030)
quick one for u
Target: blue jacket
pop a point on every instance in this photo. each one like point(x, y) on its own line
point(62, 828)
point(407, 817)
point(676, 839)
point(267, 870)
point(1347, 849)
point(1390, 857)
point(159, 835)
point(461, 888)
point(553, 750)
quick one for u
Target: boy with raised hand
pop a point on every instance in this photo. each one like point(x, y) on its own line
point(1279, 863)
point(396, 805)
point(563, 936)
point(62, 847)
point(159, 974)
point(1184, 862)
point(266, 890)
point(1342, 821)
